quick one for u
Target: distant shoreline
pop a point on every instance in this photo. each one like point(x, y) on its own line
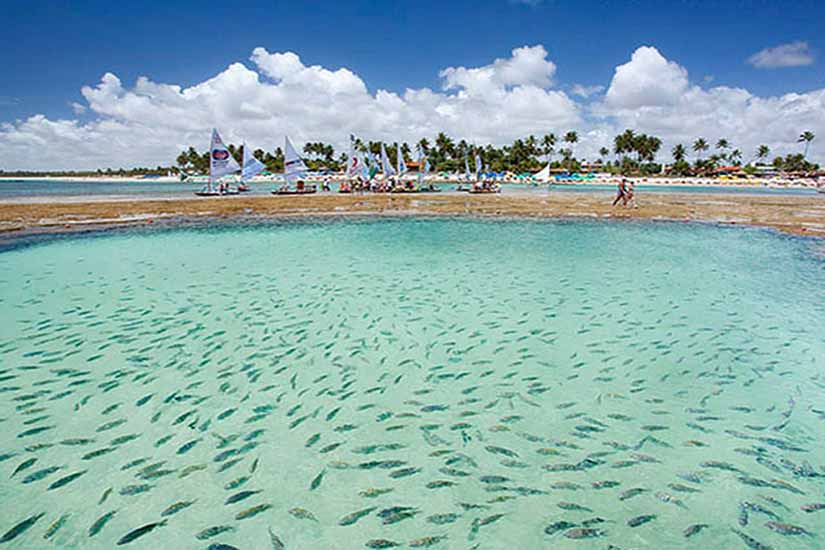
point(601, 180)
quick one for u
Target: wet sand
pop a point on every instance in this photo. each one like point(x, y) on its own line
point(794, 215)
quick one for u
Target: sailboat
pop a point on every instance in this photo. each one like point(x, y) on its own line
point(483, 186)
point(221, 163)
point(251, 168)
point(294, 169)
point(543, 176)
point(386, 167)
point(423, 170)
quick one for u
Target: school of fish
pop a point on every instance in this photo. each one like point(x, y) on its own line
point(400, 395)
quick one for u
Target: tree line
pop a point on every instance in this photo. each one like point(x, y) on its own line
point(632, 154)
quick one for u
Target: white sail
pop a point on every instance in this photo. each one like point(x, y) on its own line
point(221, 161)
point(354, 161)
point(544, 175)
point(294, 166)
point(386, 167)
point(466, 169)
point(420, 160)
point(478, 166)
point(399, 160)
point(251, 166)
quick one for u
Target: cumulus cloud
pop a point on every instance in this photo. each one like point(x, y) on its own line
point(585, 91)
point(794, 54)
point(148, 123)
point(654, 95)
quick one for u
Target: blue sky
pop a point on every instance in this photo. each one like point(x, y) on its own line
point(54, 48)
point(750, 71)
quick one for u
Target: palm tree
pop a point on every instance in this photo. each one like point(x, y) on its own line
point(735, 157)
point(571, 138)
point(762, 152)
point(807, 137)
point(445, 146)
point(722, 145)
point(424, 145)
point(548, 142)
point(700, 146)
point(603, 152)
point(678, 152)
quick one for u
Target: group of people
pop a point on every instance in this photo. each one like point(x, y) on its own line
point(626, 194)
point(389, 185)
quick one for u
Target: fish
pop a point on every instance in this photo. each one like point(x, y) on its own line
point(214, 531)
point(20, 528)
point(316, 482)
point(353, 517)
point(177, 507)
point(381, 543)
point(40, 474)
point(139, 532)
point(815, 507)
point(750, 542)
point(65, 480)
point(630, 493)
point(443, 519)
point(55, 526)
point(786, 528)
point(130, 490)
point(584, 533)
point(275, 540)
point(558, 526)
point(301, 513)
point(237, 497)
point(640, 520)
point(105, 495)
point(101, 522)
point(424, 542)
point(23, 465)
point(252, 512)
point(694, 529)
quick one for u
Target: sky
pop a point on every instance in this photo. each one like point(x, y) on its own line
point(120, 84)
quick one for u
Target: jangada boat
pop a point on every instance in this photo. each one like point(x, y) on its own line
point(216, 193)
point(251, 168)
point(300, 189)
point(221, 163)
point(294, 169)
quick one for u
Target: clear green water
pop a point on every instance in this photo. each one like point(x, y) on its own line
point(495, 377)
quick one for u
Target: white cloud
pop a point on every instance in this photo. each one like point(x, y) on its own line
point(648, 79)
point(794, 54)
point(585, 91)
point(148, 123)
point(654, 95)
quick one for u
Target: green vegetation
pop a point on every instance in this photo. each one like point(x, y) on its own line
point(634, 154)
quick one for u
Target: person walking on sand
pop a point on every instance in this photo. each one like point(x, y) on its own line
point(622, 191)
point(630, 196)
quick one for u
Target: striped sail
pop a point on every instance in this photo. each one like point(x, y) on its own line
point(294, 166)
point(251, 166)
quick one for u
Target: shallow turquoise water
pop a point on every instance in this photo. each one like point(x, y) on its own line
point(491, 378)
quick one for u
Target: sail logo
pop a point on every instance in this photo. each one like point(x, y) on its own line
point(220, 154)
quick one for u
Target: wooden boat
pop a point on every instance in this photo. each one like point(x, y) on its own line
point(214, 193)
point(294, 169)
point(304, 191)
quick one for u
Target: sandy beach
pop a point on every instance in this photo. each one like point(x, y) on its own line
point(788, 214)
